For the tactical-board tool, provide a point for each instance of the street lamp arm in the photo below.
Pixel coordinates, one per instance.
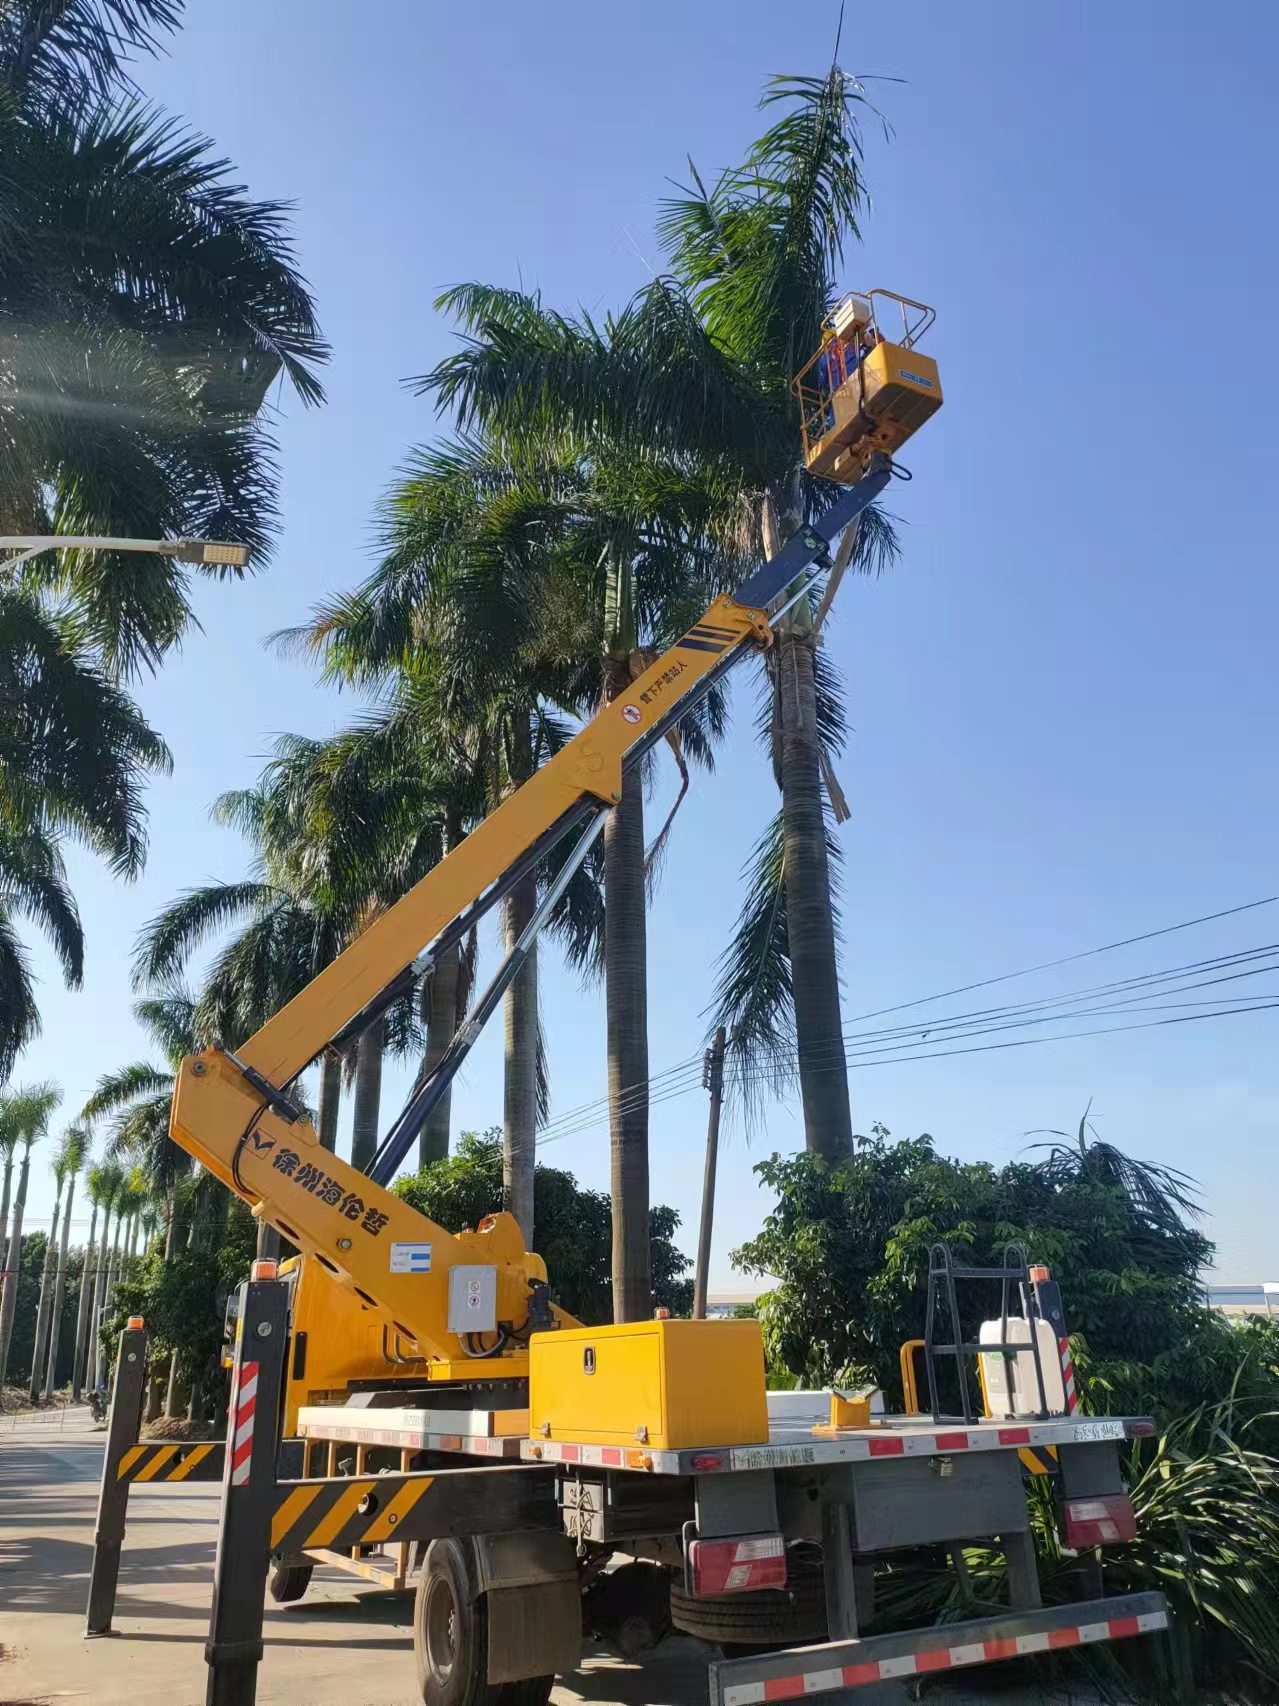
(212, 551)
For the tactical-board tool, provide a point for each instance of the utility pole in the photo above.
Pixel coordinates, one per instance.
(712, 1080)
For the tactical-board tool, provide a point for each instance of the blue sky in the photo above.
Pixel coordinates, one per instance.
(1063, 699)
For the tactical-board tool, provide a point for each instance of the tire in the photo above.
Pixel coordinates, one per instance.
(771, 1617)
(630, 1609)
(450, 1638)
(289, 1582)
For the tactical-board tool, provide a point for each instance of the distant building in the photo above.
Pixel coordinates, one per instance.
(1240, 1300)
(726, 1302)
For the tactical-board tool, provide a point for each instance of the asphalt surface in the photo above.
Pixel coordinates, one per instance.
(343, 1645)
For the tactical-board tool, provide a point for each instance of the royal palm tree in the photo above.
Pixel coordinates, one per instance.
(79, 1358)
(74, 754)
(134, 1104)
(30, 1111)
(279, 945)
(516, 585)
(335, 838)
(8, 1149)
(698, 369)
(71, 1158)
(106, 1181)
(146, 307)
(65, 1162)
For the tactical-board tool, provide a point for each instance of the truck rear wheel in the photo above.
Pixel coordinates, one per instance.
(450, 1638)
(770, 1617)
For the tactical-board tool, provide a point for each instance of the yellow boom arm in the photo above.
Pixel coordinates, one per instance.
(360, 1233)
(228, 1110)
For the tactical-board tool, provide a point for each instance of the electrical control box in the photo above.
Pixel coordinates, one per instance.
(472, 1298)
(667, 1384)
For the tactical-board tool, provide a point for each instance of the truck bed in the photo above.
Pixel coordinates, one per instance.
(791, 1441)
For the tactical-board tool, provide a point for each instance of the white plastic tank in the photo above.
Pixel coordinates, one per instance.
(851, 314)
(1011, 1386)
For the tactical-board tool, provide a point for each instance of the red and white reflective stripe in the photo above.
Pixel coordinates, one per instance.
(411, 1439)
(1068, 1375)
(819, 1680)
(243, 1411)
(889, 1439)
(604, 1456)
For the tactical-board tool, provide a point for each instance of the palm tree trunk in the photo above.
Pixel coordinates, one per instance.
(4, 1215)
(171, 1389)
(330, 1098)
(117, 1258)
(444, 997)
(94, 1375)
(441, 1022)
(13, 1259)
(626, 1008)
(823, 1074)
(48, 1280)
(368, 1095)
(59, 1297)
(519, 1094)
(79, 1361)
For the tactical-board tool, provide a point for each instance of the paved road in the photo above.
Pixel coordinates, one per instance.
(343, 1645)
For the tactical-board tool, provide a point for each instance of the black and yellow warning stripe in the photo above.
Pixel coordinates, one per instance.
(350, 1511)
(709, 637)
(181, 1462)
(1039, 1459)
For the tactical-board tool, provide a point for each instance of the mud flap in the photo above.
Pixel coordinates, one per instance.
(534, 1604)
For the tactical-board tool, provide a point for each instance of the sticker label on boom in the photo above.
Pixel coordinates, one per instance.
(410, 1258)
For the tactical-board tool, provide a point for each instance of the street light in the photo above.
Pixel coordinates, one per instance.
(215, 553)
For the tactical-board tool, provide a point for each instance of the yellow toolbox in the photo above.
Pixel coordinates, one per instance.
(666, 1384)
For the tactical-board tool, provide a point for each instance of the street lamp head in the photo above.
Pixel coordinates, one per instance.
(213, 552)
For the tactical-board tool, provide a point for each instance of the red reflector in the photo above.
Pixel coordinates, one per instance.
(705, 1460)
(1138, 1430)
(938, 1659)
(737, 1565)
(1106, 1521)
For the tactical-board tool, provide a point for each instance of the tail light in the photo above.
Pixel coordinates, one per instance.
(1103, 1521)
(738, 1565)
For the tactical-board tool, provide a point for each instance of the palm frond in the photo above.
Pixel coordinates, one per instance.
(166, 945)
(72, 1153)
(19, 1015)
(130, 1084)
(1161, 1195)
(754, 994)
(169, 1015)
(33, 880)
(69, 50)
(74, 750)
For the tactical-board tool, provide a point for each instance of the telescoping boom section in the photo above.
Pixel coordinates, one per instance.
(232, 1113)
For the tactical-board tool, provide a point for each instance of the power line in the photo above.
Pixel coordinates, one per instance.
(904, 1053)
(1067, 1006)
(687, 1074)
(1070, 959)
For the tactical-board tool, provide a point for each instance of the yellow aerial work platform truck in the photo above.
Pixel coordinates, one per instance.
(413, 1405)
